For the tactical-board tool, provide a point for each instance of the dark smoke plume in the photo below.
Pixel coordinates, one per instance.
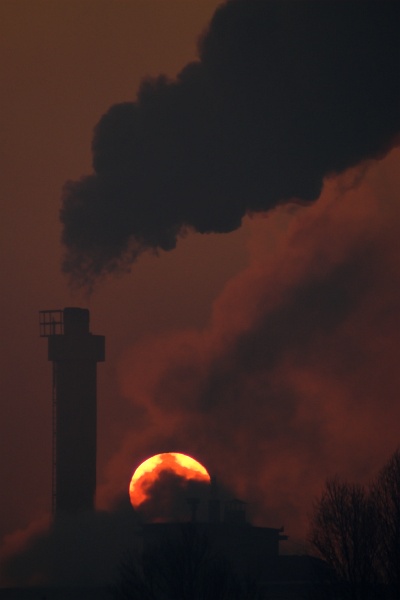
(284, 93)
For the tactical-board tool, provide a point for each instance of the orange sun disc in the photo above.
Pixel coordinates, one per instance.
(148, 472)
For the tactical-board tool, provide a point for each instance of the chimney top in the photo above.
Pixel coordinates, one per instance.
(76, 321)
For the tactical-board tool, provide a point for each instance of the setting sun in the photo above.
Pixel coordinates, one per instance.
(148, 472)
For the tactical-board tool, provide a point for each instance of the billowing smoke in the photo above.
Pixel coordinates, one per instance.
(283, 94)
(296, 377)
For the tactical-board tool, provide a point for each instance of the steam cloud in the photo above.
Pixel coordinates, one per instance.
(88, 548)
(78, 550)
(296, 377)
(168, 495)
(283, 94)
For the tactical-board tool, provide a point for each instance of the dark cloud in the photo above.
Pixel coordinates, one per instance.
(283, 94)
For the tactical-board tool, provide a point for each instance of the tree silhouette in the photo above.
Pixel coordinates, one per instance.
(344, 532)
(356, 530)
(386, 499)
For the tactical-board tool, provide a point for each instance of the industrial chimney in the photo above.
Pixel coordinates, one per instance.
(75, 353)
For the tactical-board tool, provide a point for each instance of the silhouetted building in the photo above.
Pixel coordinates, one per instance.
(214, 509)
(247, 548)
(75, 353)
(235, 511)
(250, 553)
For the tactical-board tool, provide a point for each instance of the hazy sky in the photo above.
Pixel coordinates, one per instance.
(269, 353)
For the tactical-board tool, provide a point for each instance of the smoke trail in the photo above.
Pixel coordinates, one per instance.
(283, 94)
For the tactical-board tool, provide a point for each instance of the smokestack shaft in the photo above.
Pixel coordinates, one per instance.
(75, 353)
